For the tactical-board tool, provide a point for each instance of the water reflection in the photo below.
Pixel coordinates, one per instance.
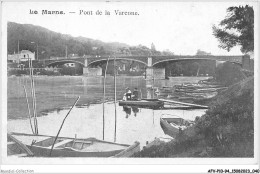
(135, 110)
(128, 110)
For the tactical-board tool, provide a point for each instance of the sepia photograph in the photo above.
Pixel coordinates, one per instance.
(146, 82)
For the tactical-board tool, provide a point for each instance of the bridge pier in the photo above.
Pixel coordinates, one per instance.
(149, 69)
(152, 72)
(92, 71)
(87, 71)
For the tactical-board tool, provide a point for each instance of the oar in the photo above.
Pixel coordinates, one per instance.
(34, 97)
(63, 123)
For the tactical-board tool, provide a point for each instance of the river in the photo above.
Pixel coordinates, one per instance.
(56, 94)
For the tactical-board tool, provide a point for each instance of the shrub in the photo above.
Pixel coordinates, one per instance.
(228, 74)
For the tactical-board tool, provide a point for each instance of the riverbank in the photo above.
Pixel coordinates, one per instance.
(226, 130)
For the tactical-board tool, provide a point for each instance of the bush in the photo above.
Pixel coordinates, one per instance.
(228, 74)
(227, 128)
(228, 125)
(17, 72)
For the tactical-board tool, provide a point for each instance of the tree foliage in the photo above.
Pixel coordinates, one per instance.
(236, 29)
(226, 130)
(228, 74)
(228, 126)
(202, 53)
(189, 67)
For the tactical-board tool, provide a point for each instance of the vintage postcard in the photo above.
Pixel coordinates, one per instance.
(130, 83)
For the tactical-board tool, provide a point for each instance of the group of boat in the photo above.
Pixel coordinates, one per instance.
(37, 145)
(190, 92)
(22, 144)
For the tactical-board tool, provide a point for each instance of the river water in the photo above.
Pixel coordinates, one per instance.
(137, 124)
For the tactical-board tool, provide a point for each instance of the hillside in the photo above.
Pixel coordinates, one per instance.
(226, 130)
(54, 44)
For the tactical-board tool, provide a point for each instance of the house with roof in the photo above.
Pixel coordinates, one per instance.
(23, 56)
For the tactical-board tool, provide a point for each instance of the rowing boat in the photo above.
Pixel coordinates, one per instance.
(17, 148)
(40, 146)
(174, 125)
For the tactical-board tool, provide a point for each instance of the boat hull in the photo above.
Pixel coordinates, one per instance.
(44, 152)
(142, 103)
(40, 146)
(168, 129)
(187, 130)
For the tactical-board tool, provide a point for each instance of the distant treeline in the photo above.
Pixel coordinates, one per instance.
(53, 44)
(189, 68)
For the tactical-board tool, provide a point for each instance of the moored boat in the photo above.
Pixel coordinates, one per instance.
(146, 103)
(17, 148)
(173, 125)
(40, 145)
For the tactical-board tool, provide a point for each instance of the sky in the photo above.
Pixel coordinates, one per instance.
(181, 27)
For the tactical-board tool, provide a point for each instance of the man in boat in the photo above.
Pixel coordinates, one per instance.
(128, 94)
(135, 94)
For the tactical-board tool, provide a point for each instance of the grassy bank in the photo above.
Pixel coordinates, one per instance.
(226, 130)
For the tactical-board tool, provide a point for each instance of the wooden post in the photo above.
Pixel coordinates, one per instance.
(115, 96)
(33, 97)
(66, 52)
(35, 106)
(153, 117)
(18, 48)
(153, 88)
(28, 106)
(104, 98)
(32, 94)
(37, 51)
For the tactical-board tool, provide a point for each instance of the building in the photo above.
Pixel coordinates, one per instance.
(23, 56)
(70, 64)
(13, 58)
(73, 56)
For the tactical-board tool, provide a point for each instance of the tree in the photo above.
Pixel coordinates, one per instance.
(200, 52)
(167, 52)
(153, 47)
(236, 29)
(228, 74)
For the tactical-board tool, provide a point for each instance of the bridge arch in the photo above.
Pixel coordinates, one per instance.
(192, 58)
(111, 59)
(64, 61)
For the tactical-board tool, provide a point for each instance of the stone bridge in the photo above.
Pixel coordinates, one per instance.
(151, 61)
